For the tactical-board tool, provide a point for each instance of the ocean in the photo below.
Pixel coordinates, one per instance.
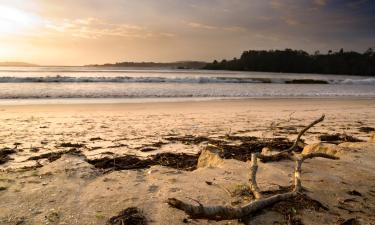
(61, 84)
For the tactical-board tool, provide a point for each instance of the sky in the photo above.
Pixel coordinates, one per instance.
(79, 32)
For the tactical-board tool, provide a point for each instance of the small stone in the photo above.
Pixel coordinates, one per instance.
(209, 158)
(330, 149)
(372, 137)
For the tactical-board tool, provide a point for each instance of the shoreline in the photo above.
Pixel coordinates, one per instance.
(99, 101)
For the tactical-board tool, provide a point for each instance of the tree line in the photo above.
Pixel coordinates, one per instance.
(299, 61)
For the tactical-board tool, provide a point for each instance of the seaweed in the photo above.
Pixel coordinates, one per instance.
(126, 162)
(129, 216)
(4, 154)
(71, 145)
(189, 139)
(188, 162)
(53, 156)
(179, 161)
(366, 129)
(337, 138)
(242, 152)
(351, 221)
(291, 208)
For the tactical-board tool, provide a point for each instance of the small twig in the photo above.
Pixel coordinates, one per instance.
(295, 145)
(286, 154)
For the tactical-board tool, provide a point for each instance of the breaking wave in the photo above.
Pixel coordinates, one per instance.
(182, 79)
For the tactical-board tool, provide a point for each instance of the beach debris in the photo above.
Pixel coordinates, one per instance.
(93, 148)
(96, 139)
(180, 161)
(337, 138)
(3, 188)
(4, 154)
(351, 221)
(189, 162)
(71, 145)
(188, 139)
(354, 192)
(243, 151)
(372, 137)
(286, 154)
(366, 129)
(152, 147)
(220, 212)
(148, 149)
(126, 162)
(290, 208)
(34, 149)
(129, 216)
(53, 156)
(52, 217)
(16, 144)
(118, 145)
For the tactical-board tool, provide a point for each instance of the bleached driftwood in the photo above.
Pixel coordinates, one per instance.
(299, 159)
(253, 177)
(220, 212)
(287, 154)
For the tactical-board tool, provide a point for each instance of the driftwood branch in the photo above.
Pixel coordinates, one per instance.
(299, 159)
(295, 144)
(253, 177)
(220, 212)
(227, 212)
(286, 154)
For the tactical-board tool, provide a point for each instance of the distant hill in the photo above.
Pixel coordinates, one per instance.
(171, 65)
(16, 64)
(299, 61)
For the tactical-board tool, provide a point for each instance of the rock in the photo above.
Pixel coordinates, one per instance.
(266, 151)
(331, 149)
(372, 137)
(209, 158)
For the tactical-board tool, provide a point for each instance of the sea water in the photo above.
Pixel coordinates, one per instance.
(54, 84)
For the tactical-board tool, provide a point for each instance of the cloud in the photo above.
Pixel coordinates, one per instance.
(291, 21)
(276, 4)
(93, 28)
(201, 26)
(320, 2)
(222, 28)
(357, 3)
(186, 29)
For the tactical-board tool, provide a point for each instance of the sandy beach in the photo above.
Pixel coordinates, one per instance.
(70, 190)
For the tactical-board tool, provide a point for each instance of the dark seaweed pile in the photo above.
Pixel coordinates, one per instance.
(129, 216)
(188, 162)
(179, 161)
(337, 138)
(4, 154)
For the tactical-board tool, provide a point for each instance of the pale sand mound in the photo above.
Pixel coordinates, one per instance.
(70, 191)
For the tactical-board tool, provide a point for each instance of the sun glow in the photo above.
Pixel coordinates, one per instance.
(15, 21)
